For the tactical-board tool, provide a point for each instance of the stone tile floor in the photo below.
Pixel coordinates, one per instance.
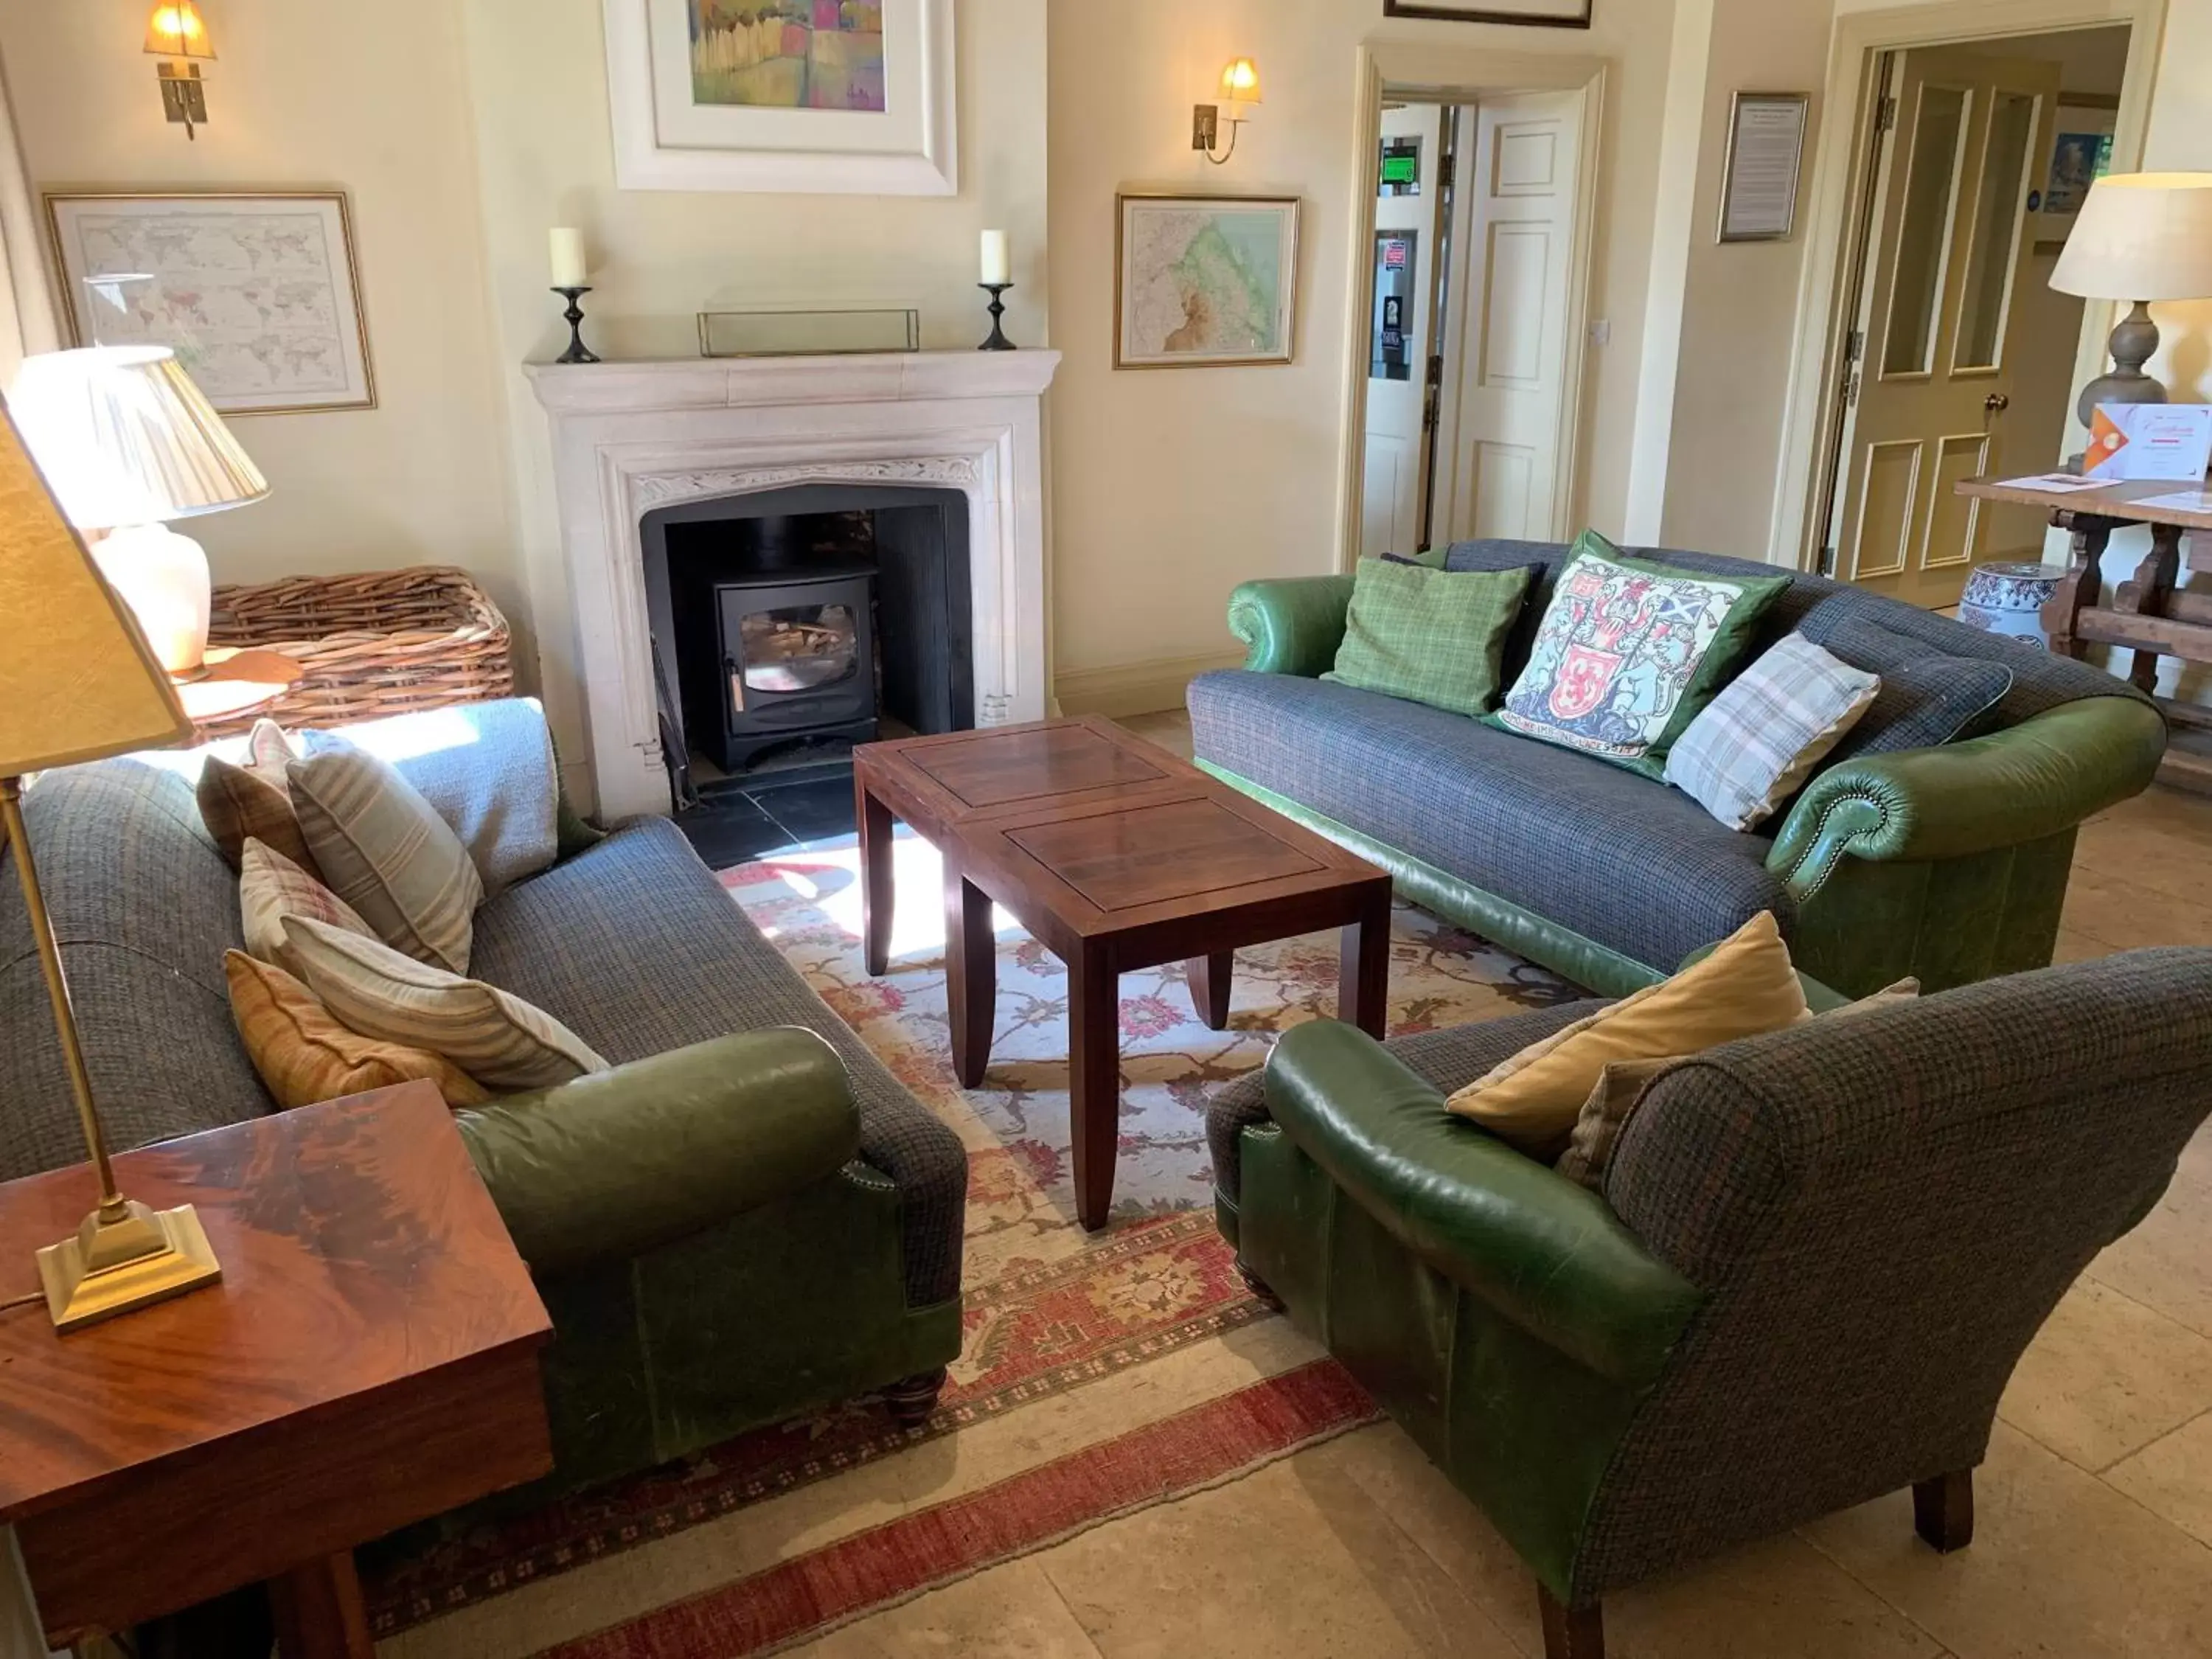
(2095, 1506)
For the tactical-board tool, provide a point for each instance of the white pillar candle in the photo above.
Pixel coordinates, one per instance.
(569, 266)
(996, 268)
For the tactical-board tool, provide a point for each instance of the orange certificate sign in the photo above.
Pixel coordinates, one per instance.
(2133, 441)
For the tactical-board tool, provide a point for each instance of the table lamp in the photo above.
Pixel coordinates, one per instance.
(2141, 236)
(78, 681)
(127, 440)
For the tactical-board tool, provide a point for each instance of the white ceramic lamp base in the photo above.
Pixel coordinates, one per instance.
(163, 577)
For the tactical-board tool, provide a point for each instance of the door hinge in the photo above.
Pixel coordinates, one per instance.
(1446, 172)
(1851, 390)
(1885, 118)
(1827, 561)
(1854, 345)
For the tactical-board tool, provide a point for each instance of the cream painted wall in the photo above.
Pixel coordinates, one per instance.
(304, 96)
(541, 140)
(1170, 487)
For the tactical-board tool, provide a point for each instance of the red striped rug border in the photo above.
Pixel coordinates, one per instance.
(814, 1594)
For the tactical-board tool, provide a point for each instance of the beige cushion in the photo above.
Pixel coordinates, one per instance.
(498, 1040)
(1621, 1086)
(384, 850)
(253, 802)
(1744, 988)
(272, 887)
(305, 1056)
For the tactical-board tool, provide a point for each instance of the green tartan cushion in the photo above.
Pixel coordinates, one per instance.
(1631, 651)
(1431, 636)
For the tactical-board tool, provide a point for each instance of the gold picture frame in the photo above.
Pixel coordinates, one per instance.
(1130, 352)
(276, 329)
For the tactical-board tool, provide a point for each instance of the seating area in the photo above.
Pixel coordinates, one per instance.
(815, 842)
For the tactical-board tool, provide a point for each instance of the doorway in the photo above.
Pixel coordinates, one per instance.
(1471, 270)
(1955, 357)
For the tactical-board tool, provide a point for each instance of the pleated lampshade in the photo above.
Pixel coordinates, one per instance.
(124, 437)
(77, 681)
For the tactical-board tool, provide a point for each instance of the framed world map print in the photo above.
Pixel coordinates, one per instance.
(819, 96)
(256, 293)
(1206, 281)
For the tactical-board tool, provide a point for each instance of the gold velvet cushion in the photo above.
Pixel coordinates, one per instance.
(384, 850)
(272, 887)
(1745, 989)
(305, 1056)
(253, 802)
(500, 1040)
(1622, 1087)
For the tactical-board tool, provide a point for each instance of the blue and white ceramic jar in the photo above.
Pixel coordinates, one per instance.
(2008, 600)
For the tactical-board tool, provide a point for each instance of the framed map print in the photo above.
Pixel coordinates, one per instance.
(838, 96)
(1206, 281)
(257, 294)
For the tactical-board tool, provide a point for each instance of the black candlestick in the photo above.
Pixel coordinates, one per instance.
(998, 342)
(578, 352)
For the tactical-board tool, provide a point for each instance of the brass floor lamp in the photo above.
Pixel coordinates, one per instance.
(78, 683)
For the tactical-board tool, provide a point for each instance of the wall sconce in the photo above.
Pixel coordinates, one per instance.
(1240, 96)
(178, 34)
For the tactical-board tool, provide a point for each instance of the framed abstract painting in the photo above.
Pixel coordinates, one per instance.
(812, 96)
(1206, 281)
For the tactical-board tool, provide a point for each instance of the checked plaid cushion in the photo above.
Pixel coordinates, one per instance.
(1428, 636)
(1762, 736)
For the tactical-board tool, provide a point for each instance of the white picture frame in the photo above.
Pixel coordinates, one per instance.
(257, 292)
(665, 139)
(1256, 236)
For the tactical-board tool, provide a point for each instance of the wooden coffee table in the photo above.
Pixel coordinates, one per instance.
(1117, 856)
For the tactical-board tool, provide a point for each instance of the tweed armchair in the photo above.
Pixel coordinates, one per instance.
(1817, 1258)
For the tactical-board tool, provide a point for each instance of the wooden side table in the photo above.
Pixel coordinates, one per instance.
(2150, 615)
(369, 1359)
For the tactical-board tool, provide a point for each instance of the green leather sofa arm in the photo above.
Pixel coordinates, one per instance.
(1546, 1252)
(1292, 624)
(2039, 778)
(618, 1163)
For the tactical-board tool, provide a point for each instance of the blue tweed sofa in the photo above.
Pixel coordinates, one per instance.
(1948, 863)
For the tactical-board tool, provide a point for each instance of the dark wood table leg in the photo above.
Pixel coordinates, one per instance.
(319, 1612)
(2083, 584)
(1094, 1069)
(1363, 991)
(971, 975)
(1211, 980)
(877, 903)
(2154, 585)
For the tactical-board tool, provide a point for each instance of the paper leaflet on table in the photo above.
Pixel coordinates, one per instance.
(2131, 442)
(2057, 484)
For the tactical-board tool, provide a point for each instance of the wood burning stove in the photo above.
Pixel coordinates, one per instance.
(798, 659)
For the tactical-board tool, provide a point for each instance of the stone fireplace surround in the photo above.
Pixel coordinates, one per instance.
(631, 437)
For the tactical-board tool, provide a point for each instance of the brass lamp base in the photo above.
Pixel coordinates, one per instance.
(112, 1266)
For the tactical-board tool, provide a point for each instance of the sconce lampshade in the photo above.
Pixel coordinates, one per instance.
(177, 30)
(2141, 236)
(1240, 82)
(76, 680)
(125, 438)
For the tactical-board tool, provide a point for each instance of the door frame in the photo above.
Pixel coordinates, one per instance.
(1462, 75)
(1842, 178)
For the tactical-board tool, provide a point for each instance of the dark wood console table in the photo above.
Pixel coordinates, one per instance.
(2150, 615)
(369, 1359)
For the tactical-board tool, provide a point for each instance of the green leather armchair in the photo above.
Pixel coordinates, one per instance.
(1817, 1260)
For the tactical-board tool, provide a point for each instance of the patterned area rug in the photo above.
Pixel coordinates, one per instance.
(1049, 1308)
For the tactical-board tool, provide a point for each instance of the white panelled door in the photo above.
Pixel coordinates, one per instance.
(1400, 340)
(1499, 452)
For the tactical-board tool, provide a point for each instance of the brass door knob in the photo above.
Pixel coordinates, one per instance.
(1996, 403)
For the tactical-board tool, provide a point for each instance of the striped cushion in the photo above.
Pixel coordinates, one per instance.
(386, 852)
(305, 1056)
(253, 802)
(500, 1040)
(272, 887)
(1761, 739)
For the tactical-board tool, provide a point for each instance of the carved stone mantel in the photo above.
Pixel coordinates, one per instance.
(631, 437)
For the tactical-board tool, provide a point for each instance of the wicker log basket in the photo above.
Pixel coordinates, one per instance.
(381, 642)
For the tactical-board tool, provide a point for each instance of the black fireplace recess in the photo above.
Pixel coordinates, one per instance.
(808, 617)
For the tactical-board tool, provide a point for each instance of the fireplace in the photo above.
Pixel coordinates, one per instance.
(789, 624)
(632, 440)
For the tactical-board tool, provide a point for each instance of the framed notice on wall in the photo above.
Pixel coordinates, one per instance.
(1766, 149)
